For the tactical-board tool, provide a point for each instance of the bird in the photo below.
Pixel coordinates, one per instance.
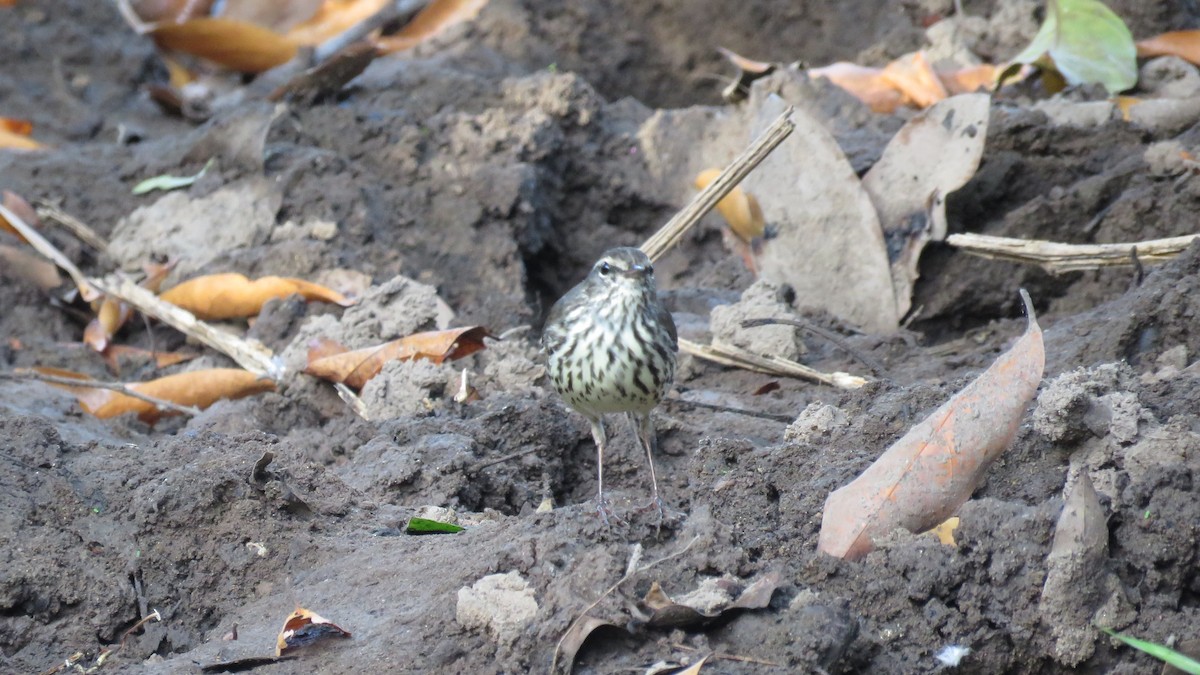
(611, 347)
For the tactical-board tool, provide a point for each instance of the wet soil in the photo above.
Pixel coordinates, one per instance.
(473, 181)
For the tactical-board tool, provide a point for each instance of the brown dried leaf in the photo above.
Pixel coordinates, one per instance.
(333, 18)
(354, 368)
(913, 77)
(866, 84)
(712, 599)
(945, 530)
(927, 474)
(969, 80)
(234, 44)
(198, 388)
(303, 628)
(20, 264)
(1182, 43)
(111, 314)
(575, 636)
(232, 295)
(438, 16)
(14, 135)
(739, 208)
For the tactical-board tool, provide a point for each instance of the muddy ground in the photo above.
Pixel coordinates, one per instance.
(474, 181)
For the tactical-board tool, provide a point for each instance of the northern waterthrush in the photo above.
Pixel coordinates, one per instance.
(611, 348)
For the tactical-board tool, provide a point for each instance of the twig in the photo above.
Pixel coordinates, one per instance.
(500, 460)
(159, 403)
(875, 366)
(721, 656)
(721, 408)
(252, 356)
(400, 11)
(87, 235)
(630, 573)
(702, 203)
(41, 245)
(1056, 257)
(764, 363)
(352, 399)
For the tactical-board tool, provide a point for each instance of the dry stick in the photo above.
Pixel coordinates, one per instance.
(1056, 257)
(721, 408)
(765, 363)
(80, 229)
(722, 656)
(875, 366)
(161, 404)
(400, 11)
(629, 574)
(702, 203)
(251, 356)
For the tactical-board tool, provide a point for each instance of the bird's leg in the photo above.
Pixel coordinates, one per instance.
(643, 426)
(601, 439)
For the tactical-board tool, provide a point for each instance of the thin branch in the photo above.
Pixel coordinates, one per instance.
(161, 404)
(400, 11)
(706, 199)
(629, 574)
(764, 363)
(41, 245)
(48, 211)
(1056, 257)
(875, 366)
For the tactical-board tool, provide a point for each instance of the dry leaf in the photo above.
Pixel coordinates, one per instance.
(198, 388)
(438, 16)
(233, 296)
(234, 44)
(828, 229)
(111, 313)
(1125, 105)
(354, 368)
(970, 79)
(14, 135)
(694, 669)
(333, 18)
(115, 353)
(914, 78)
(739, 208)
(945, 530)
(928, 474)
(276, 15)
(20, 264)
(749, 70)
(1182, 43)
(713, 598)
(866, 84)
(934, 154)
(302, 628)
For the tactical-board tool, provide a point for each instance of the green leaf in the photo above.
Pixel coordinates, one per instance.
(427, 526)
(1086, 42)
(1164, 654)
(166, 182)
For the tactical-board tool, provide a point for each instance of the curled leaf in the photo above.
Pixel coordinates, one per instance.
(1084, 41)
(913, 76)
(303, 628)
(929, 472)
(333, 18)
(233, 296)
(355, 368)
(713, 598)
(234, 44)
(739, 208)
(1182, 43)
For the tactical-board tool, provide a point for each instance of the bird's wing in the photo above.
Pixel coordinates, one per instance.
(664, 316)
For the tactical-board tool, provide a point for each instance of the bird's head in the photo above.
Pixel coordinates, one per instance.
(623, 268)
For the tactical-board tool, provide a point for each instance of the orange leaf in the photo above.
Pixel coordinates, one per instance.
(1182, 43)
(303, 628)
(13, 140)
(430, 22)
(115, 353)
(199, 388)
(1125, 105)
(234, 44)
(969, 80)
(19, 263)
(926, 475)
(739, 208)
(354, 368)
(110, 316)
(19, 127)
(333, 18)
(865, 84)
(232, 295)
(912, 75)
(15, 203)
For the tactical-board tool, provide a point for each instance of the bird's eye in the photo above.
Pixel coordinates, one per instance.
(605, 268)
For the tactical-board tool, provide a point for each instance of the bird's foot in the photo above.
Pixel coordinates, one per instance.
(605, 511)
